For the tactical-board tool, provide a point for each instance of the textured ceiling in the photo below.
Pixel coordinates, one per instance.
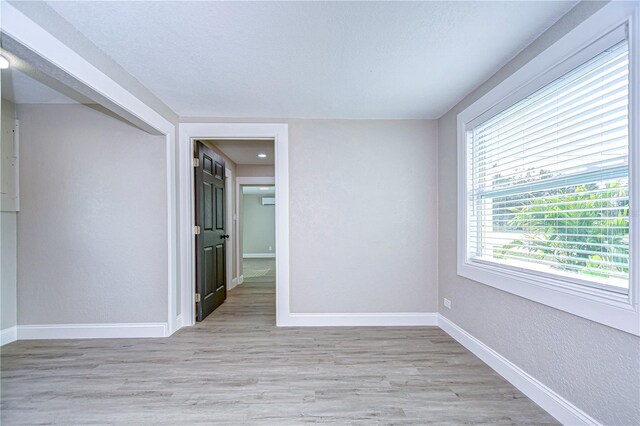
(311, 59)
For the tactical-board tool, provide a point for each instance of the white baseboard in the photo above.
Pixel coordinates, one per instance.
(234, 283)
(178, 324)
(8, 335)
(258, 255)
(564, 411)
(362, 320)
(91, 331)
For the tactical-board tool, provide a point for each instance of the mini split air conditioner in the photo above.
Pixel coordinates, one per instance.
(268, 201)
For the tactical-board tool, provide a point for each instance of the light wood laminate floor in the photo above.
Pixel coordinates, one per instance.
(237, 368)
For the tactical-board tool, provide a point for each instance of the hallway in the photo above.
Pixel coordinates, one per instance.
(259, 270)
(237, 368)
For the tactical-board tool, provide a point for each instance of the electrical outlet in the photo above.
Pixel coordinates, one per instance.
(270, 248)
(447, 303)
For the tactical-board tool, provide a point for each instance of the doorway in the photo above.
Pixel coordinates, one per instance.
(250, 221)
(239, 177)
(258, 233)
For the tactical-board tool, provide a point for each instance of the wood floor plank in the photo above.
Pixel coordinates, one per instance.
(236, 367)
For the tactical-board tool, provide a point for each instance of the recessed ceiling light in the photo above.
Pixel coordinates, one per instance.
(262, 155)
(4, 63)
(264, 188)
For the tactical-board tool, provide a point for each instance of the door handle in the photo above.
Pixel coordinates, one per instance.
(224, 236)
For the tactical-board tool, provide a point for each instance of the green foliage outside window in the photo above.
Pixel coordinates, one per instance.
(582, 229)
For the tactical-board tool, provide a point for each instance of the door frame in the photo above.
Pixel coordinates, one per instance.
(231, 226)
(279, 133)
(240, 182)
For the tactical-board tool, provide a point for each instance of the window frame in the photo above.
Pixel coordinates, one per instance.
(612, 22)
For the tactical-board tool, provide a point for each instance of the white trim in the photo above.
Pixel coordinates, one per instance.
(280, 134)
(91, 331)
(234, 284)
(39, 41)
(8, 335)
(553, 403)
(230, 225)
(634, 160)
(258, 255)
(408, 319)
(620, 312)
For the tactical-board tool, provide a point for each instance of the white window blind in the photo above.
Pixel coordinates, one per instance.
(547, 179)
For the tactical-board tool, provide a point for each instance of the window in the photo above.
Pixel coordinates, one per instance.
(548, 178)
(549, 175)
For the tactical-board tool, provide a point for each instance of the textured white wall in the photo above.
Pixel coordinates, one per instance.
(593, 366)
(9, 201)
(92, 240)
(258, 225)
(8, 249)
(363, 215)
(8, 255)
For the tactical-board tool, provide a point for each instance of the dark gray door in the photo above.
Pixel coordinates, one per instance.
(210, 243)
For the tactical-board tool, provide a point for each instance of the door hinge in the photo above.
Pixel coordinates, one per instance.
(196, 230)
(196, 162)
(197, 297)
